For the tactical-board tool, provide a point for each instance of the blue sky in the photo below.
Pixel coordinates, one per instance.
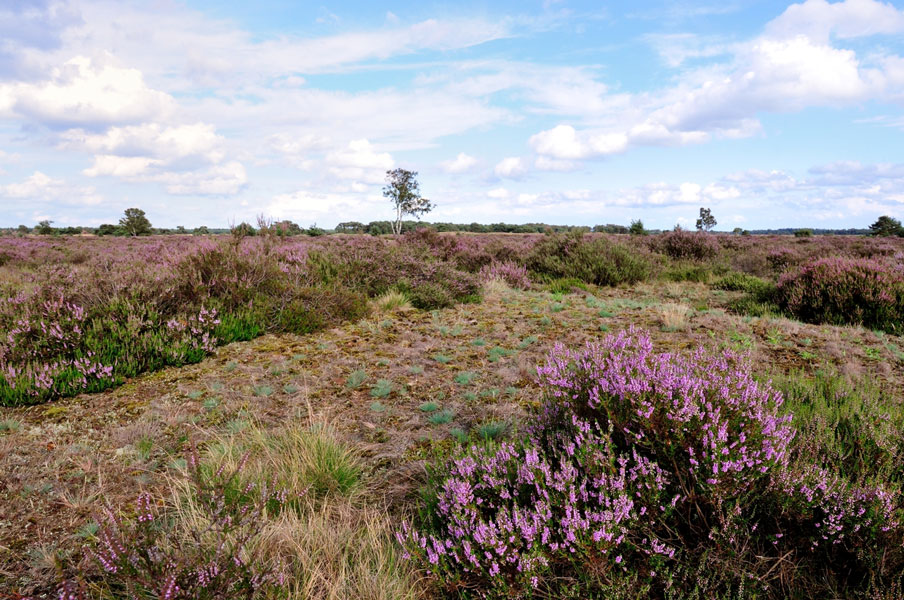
(771, 114)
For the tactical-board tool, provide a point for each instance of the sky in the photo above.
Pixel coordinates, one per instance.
(215, 112)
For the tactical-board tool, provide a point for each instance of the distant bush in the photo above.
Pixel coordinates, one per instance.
(684, 244)
(692, 272)
(512, 273)
(592, 260)
(781, 258)
(742, 282)
(803, 233)
(842, 291)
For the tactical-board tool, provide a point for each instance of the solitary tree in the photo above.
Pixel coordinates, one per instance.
(706, 221)
(135, 222)
(885, 226)
(637, 228)
(403, 190)
(44, 228)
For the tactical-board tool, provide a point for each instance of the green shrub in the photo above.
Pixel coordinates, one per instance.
(565, 285)
(698, 273)
(686, 245)
(591, 260)
(742, 282)
(313, 309)
(429, 296)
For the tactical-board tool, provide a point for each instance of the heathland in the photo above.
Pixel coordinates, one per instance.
(681, 415)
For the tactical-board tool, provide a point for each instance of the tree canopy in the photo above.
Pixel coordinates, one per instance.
(135, 222)
(404, 191)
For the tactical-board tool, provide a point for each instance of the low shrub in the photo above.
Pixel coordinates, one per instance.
(843, 291)
(512, 273)
(642, 472)
(592, 260)
(314, 308)
(565, 285)
(684, 272)
(686, 245)
(780, 259)
(742, 282)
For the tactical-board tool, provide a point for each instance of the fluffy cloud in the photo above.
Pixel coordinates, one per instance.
(459, 164)
(84, 93)
(512, 167)
(359, 161)
(564, 142)
(168, 144)
(792, 66)
(43, 188)
(303, 206)
(818, 19)
(220, 180)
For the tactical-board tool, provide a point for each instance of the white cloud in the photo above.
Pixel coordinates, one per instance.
(359, 161)
(544, 163)
(82, 92)
(771, 73)
(152, 140)
(120, 166)
(304, 206)
(219, 180)
(41, 187)
(512, 167)
(563, 142)
(459, 164)
(498, 193)
(818, 19)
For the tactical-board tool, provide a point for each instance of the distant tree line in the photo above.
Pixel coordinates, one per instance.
(137, 224)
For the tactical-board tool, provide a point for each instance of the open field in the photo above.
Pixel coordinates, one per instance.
(358, 373)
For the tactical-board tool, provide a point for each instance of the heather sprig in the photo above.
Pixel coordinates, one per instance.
(150, 556)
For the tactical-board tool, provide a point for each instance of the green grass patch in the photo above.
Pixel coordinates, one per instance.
(441, 418)
(381, 389)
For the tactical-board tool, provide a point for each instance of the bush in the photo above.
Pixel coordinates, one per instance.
(597, 261)
(513, 274)
(742, 282)
(313, 309)
(842, 291)
(684, 244)
(643, 471)
(684, 272)
(782, 258)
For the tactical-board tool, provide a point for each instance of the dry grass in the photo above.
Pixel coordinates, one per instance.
(341, 550)
(673, 317)
(391, 301)
(337, 541)
(495, 289)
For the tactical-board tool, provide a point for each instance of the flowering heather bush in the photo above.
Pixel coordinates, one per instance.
(645, 468)
(147, 557)
(512, 273)
(782, 258)
(685, 244)
(846, 291)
